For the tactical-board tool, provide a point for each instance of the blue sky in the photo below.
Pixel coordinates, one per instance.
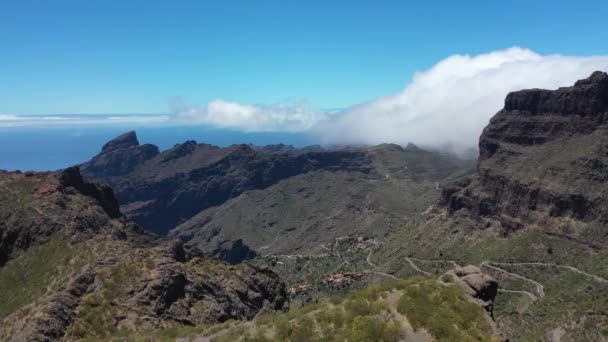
(133, 56)
(299, 72)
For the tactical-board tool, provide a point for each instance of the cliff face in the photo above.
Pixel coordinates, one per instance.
(543, 159)
(73, 266)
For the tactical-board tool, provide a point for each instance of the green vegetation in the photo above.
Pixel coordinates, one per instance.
(96, 312)
(381, 312)
(568, 295)
(29, 275)
(444, 311)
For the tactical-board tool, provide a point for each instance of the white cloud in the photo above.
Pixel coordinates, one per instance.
(450, 104)
(12, 120)
(290, 116)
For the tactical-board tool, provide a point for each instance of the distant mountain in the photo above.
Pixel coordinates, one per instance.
(72, 267)
(187, 189)
(300, 213)
(161, 190)
(287, 149)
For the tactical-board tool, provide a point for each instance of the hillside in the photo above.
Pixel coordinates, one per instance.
(160, 190)
(533, 216)
(415, 310)
(73, 267)
(299, 214)
(288, 200)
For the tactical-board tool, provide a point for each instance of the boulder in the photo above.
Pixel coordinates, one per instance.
(475, 283)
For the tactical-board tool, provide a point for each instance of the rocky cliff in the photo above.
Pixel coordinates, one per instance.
(73, 267)
(543, 161)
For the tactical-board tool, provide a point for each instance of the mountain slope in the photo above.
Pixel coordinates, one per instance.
(75, 268)
(533, 216)
(299, 214)
(414, 310)
(161, 190)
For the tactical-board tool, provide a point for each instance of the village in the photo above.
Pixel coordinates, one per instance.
(341, 245)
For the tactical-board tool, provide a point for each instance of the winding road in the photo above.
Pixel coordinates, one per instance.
(540, 289)
(494, 265)
(409, 260)
(571, 268)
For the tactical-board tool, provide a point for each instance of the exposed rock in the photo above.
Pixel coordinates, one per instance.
(125, 140)
(119, 156)
(476, 283)
(104, 195)
(236, 253)
(35, 206)
(111, 273)
(176, 293)
(543, 157)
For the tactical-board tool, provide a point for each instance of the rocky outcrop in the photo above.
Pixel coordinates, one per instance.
(476, 283)
(119, 156)
(106, 272)
(233, 252)
(543, 157)
(36, 205)
(177, 293)
(104, 195)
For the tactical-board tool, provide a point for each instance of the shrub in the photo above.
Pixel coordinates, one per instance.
(371, 329)
(444, 312)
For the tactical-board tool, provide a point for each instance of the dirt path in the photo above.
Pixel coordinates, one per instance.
(529, 294)
(452, 262)
(368, 259)
(571, 268)
(369, 262)
(409, 260)
(540, 289)
(382, 274)
(539, 286)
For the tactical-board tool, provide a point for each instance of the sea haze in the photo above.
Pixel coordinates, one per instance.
(50, 147)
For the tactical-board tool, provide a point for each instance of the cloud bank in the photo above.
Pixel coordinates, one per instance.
(448, 105)
(13, 120)
(292, 116)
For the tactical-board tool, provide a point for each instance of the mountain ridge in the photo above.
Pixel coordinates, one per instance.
(75, 268)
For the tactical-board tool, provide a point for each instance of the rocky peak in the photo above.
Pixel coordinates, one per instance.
(119, 156)
(125, 140)
(180, 150)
